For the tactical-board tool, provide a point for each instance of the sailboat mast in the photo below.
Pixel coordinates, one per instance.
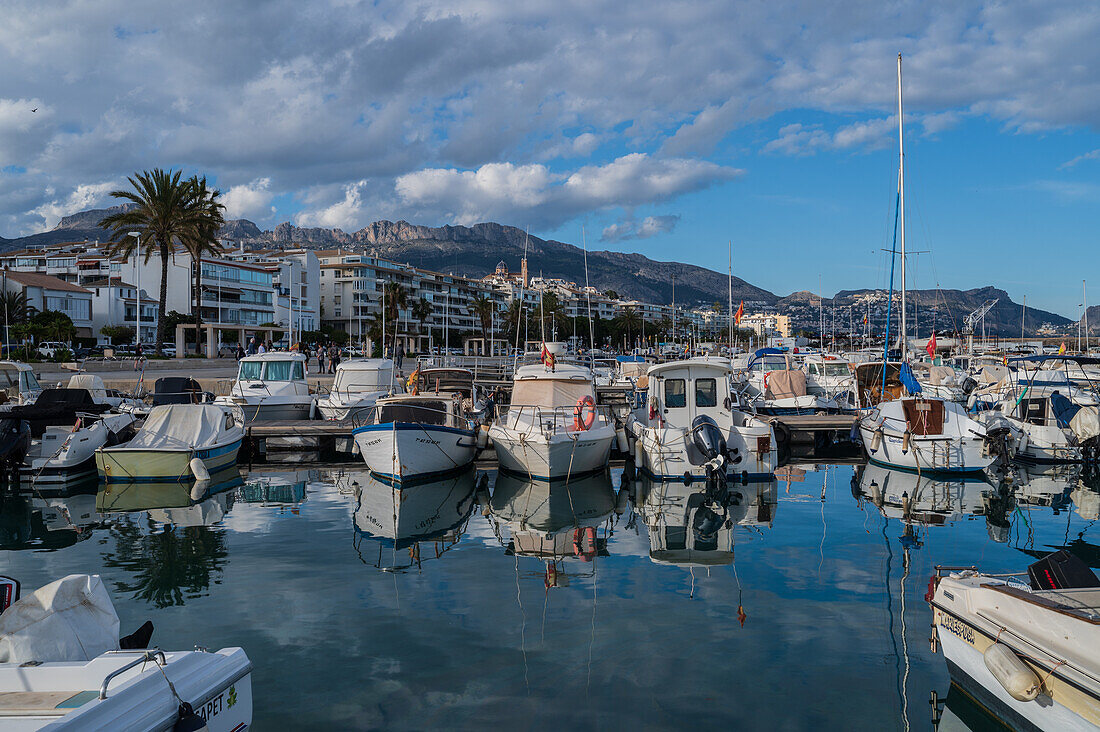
(731, 298)
(901, 215)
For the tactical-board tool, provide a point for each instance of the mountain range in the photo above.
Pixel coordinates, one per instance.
(474, 251)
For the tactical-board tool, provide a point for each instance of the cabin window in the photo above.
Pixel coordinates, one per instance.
(706, 393)
(812, 368)
(675, 537)
(251, 370)
(299, 374)
(675, 393)
(29, 382)
(278, 370)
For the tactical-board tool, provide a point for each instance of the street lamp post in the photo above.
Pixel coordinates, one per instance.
(137, 276)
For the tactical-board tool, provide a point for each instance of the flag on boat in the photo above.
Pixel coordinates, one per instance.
(412, 385)
(931, 346)
(547, 357)
(1062, 349)
(740, 313)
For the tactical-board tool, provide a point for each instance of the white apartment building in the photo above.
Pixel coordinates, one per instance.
(45, 292)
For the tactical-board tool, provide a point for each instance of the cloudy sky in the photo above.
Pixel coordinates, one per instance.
(667, 127)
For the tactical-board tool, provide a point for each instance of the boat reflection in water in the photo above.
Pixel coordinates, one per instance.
(920, 500)
(165, 536)
(1046, 485)
(554, 521)
(424, 519)
(693, 525)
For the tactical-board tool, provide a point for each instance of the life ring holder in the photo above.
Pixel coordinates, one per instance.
(580, 420)
(766, 375)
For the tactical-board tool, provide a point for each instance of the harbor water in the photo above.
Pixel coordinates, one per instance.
(484, 601)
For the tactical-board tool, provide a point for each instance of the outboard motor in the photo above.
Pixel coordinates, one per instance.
(708, 440)
(969, 385)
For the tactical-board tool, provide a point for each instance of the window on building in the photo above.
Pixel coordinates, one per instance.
(675, 393)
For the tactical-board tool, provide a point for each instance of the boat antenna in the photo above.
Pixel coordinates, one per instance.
(730, 303)
(519, 310)
(588, 291)
(901, 214)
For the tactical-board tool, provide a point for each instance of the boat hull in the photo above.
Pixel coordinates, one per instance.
(933, 454)
(557, 456)
(666, 454)
(123, 465)
(401, 451)
(270, 409)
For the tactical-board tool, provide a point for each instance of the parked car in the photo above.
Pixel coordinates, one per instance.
(168, 349)
(49, 349)
(227, 350)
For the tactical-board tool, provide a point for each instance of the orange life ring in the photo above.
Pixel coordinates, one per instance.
(580, 421)
(766, 380)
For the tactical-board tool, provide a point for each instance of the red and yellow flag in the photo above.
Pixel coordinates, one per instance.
(1062, 349)
(740, 312)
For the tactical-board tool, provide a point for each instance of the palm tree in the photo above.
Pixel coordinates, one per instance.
(16, 308)
(202, 239)
(628, 320)
(422, 310)
(164, 213)
(397, 299)
(482, 307)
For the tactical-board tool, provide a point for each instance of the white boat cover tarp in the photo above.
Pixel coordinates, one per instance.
(92, 383)
(72, 619)
(1086, 423)
(176, 426)
(941, 375)
(990, 375)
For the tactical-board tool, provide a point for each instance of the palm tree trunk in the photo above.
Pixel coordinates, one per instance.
(198, 307)
(163, 302)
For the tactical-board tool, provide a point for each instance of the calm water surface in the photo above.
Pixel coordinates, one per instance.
(484, 600)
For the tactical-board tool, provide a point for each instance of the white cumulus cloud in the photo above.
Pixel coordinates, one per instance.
(250, 200)
(644, 229)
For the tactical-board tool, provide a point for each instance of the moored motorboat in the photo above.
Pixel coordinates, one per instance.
(692, 428)
(415, 436)
(1026, 650)
(271, 386)
(178, 442)
(68, 453)
(18, 384)
(64, 667)
(553, 428)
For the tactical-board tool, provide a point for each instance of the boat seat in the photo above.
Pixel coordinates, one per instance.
(59, 703)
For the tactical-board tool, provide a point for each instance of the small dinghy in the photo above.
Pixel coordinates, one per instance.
(178, 442)
(65, 454)
(64, 667)
(57, 408)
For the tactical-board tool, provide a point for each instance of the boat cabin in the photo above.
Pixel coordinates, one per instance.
(439, 380)
(18, 384)
(366, 376)
(680, 391)
(279, 366)
(443, 410)
(870, 385)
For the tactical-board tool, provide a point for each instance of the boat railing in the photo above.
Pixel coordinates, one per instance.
(154, 655)
(373, 416)
(551, 420)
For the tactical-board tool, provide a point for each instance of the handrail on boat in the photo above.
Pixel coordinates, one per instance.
(145, 657)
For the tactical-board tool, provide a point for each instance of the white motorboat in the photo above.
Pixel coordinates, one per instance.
(928, 434)
(692, 427)
(18, 384)
(1024, 647)
(359, 383)
(693, 525)
(64, 667)
(67, 453)
(553, 428)
(178, 442)
(829, 378)
(786, 392)
(271, 386)
(94, 385)
(942, 382)
(415, 436)
(929, 499)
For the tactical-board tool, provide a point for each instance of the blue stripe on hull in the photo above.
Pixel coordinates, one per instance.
(927, 471)
(402, 426)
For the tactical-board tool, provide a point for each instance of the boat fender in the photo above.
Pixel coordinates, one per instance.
(906, 504)
(876, 440)
(620, 438)
(198, 469)
(482, 438)
(199, 489)
(584, 543)
(905, 442)
(1013, 674)
(653, 408)
(687, 477)
(187, 720)
(1022, 446)
(313, 410)
(622, 500)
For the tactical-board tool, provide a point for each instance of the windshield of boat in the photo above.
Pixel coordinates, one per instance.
(551, 392)
(283, 371)
(27, 381)
(833, 368)
(9, 377)
(251, 370)
(349, 380)
(769, 363)
(418, 411)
